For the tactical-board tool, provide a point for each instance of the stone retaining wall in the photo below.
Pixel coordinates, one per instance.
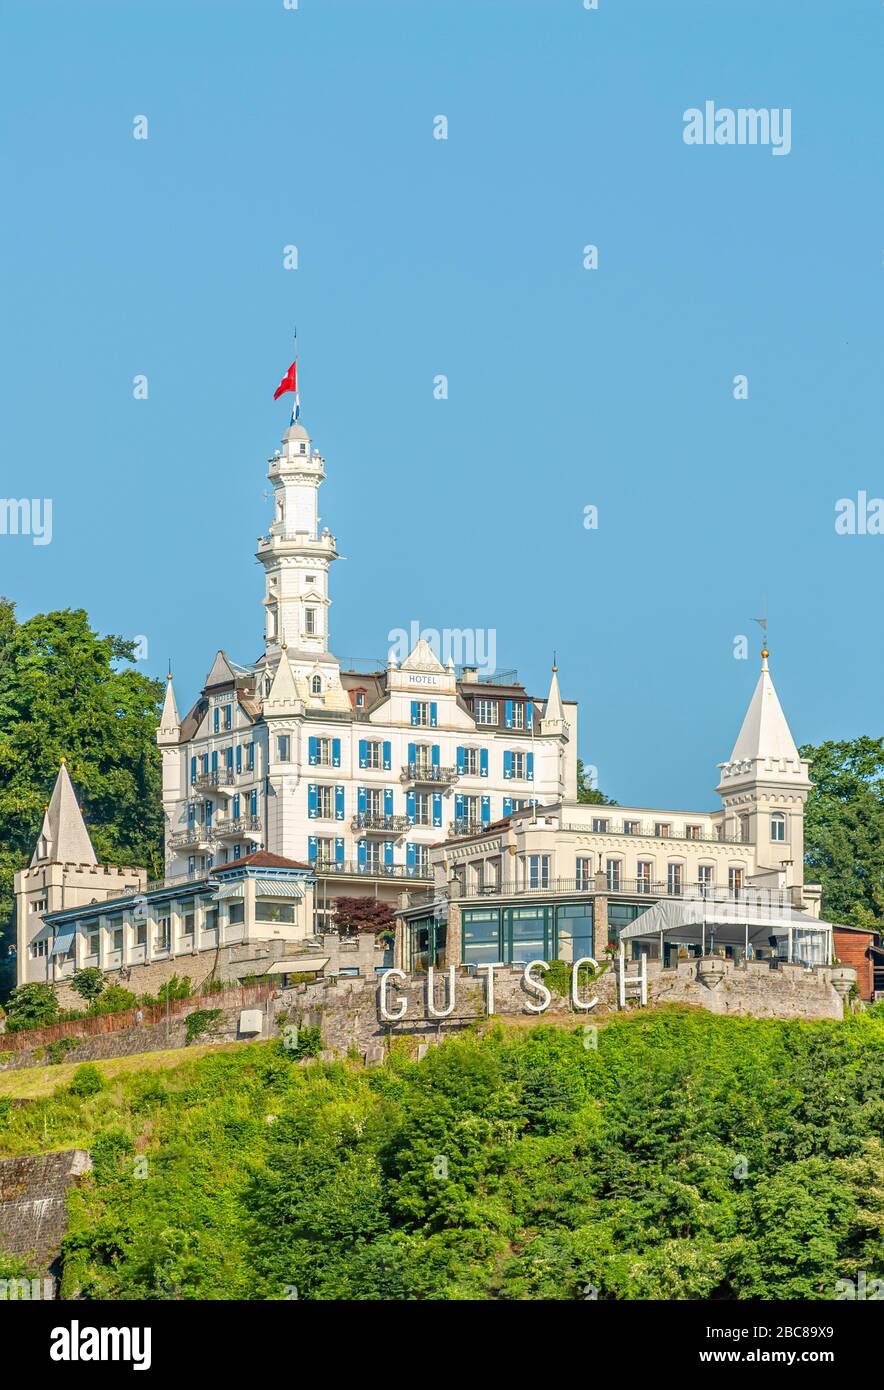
(33, 1205)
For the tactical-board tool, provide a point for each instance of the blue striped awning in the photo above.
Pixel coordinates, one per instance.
(63, 940)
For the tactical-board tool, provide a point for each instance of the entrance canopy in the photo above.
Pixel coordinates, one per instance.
(796, 936)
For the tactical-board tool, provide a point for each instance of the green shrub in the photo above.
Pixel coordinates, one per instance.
(113, 1000)
(56, 1051)
(88, 983)
(87, 1080)
(201, 1021)
(31, 1006)
(301, 1042)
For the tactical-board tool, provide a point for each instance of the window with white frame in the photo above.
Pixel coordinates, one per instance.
(778, 826)
(485, 711)
(422, 856)
(325, 803)
(38, 949)
(644, 875)
(316, 685)
(471, 761)
(324, 752)
(632, 827)
(283, 748)
(538, 870)
(705, 875)
(310, 622)
(735, 879)
(518, 766)
(423, 756)
(421, 716)
(614, 873)
(325, 850)
(674, 879)
(693, 832)
(518, 715)
(373, 753)
(471, 809)
(423, 808)
(584, 873)
(662, 829)
(600, 825)
(374, 805)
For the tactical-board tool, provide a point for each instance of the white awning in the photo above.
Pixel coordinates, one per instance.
(687, 915)
(297, 964)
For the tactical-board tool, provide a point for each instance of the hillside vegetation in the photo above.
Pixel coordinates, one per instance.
(682, 1156)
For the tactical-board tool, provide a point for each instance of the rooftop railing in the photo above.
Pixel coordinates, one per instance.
(643, 888)
(648, 830)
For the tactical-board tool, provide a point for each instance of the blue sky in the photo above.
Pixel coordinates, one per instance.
(463, 257)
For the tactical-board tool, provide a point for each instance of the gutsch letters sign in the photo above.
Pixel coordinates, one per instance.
(394, 1010)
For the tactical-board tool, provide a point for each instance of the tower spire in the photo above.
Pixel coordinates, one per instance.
(63, 837)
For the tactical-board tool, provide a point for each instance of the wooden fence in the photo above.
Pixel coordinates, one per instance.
(239, 997)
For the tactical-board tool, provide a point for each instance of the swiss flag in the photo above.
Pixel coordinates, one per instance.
(288, 383)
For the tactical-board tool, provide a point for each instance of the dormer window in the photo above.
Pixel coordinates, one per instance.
(360, 699)
(316, 685)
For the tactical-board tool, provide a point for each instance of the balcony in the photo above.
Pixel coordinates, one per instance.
(234, 828)
(215, 781)
(195, 837)
(422, 775)
(637, 888)
(647, 831)
(348, 867)
(467, 825)
(373, 824)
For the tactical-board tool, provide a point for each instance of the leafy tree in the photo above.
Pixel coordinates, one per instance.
(363, 914)
(115, 999)
(88, 982)
(67, 692)
(31, 1006)
(844, 828)
(87, 1080)
(590, 794)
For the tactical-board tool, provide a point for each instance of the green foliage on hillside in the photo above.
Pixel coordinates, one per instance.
(67, 692)
(844, 829)
(686, 1157)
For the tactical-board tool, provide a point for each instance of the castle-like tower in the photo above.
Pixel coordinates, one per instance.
(355, 772)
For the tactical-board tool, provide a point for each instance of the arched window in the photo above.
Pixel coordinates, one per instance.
(316, 685)
(778, 826)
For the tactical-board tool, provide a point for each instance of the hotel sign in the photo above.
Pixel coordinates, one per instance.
(538, 1003)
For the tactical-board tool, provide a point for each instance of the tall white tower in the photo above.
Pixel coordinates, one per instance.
(296, 557)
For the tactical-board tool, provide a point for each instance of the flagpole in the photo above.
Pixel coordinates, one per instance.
(295, 401)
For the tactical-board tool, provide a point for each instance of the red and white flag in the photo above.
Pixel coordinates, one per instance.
(288, 383)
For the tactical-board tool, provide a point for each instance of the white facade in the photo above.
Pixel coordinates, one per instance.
(360, 772)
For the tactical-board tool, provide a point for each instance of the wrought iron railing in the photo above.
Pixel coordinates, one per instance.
(326, 869)
(371, 822)
(234, 826)
(648, 831)
(221, 777)
(423, 772)
(644, 888)
(467, 825)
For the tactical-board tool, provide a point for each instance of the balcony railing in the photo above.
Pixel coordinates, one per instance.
(221, 777)
(194, 837)
(641, 887)
(424, 775)
(235, 827)
(649, 831)
(326, 869)
(379, 824)
(467, 825)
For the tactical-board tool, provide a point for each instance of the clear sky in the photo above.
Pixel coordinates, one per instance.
(418, 257)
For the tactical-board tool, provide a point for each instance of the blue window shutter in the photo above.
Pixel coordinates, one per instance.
(437, 809)
(434, 755)
(412, 752)
(216, 720)
(339, 803)
(529, 713)
(507, 805)
(193, 769)
(483, 762)
(253, 803)
(251, 757)
(458, 805)
(409, 854)
(486, 810)
(388, 852)
(191, 814)
(237, 851)
(336, 752)
(459, 758)
(239, 757)
(388, 801)
(311, 847)
(205, 762)
(236, 805)
(508, 765)
(339, 850)
(409, 807)
(529, 765)
(215, 761)
(228, 716)
(363, 752)
(508, 713)
(313, 751)
(210, 808)
(387, 759)
(360, 852)
(433, 709)
(361, 800)
(415, 713)
(312, 799)
(230, 759)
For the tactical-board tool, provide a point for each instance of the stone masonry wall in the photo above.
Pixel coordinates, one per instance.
(33, 1206)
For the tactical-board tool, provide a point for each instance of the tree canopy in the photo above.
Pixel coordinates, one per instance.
(844, 829)
(67, 692)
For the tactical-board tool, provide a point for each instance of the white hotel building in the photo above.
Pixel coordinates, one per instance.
(356, 773)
